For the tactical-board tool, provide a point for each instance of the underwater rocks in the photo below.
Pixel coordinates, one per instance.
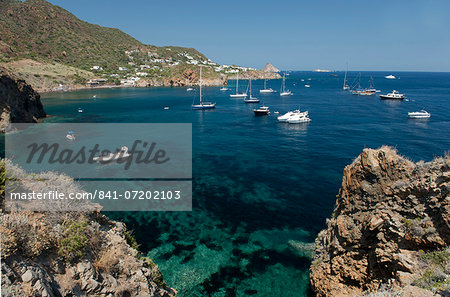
(391, 214)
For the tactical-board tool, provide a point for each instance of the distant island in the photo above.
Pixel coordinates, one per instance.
(54, 50)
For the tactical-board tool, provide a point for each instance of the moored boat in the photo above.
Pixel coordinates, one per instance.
(298, 118)
(395, 95)
(266, 90)
(237, 94)
(419, 114)
(283, 91)
(286, 116)
(202, 104)
(262, 110)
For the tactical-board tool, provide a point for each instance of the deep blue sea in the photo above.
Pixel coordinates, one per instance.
(263, 188)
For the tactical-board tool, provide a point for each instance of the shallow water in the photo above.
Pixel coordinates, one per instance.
(262, 187)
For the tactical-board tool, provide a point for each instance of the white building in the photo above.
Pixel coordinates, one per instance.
(123, 68)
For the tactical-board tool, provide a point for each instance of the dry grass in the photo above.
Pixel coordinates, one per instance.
(25, 233)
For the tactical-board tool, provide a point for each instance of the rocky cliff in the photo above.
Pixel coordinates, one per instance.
(79, 253)
(19, 103)
(389, 231)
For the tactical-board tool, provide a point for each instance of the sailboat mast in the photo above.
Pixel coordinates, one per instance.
(345, 78)
(265, 81)
(237, 82)
(200, 85)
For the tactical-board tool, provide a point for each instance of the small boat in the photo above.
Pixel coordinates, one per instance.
(395, 95)
(224, 89)
(419, 114)
(283, 91)
(262, 110)
(95, 96)
(302, 79)
(189, 89)
(298, 118)
(266, 90)
(289, 114)
(80, 110)
(238, 95)
(307, 86)
(70, 136)
(390, 76)
(276, 112)
(120, 154)
(166, 107)
(202, 104)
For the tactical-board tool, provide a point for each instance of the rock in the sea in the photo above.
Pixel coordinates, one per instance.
(389, 213)
(270, 68)
(19, 103)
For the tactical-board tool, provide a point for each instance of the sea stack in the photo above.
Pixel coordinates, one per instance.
(270, 68)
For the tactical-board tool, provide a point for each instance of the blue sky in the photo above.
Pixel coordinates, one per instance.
(408, 35)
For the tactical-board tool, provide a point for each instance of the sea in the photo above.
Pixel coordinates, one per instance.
(262, 190)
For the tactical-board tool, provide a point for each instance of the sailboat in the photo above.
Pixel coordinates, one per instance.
(370, 90)
(251, 99)
(356, 88)
(238, 95)
(202, 104)
(283, 91)
(266, 90)
(345, 87)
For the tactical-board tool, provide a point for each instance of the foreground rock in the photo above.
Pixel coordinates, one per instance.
(390, 229)
(19, 103)
(79, 253)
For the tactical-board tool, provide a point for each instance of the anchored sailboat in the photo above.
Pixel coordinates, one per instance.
(283, 91)
(251, 99)
(238, 95)
(203, 105)
(266, 90)
(345, 87)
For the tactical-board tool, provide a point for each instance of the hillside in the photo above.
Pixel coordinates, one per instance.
(70, 52)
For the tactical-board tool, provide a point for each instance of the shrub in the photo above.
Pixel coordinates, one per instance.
(73, 242)
(129, 237)
(109, 261)
(24, 232)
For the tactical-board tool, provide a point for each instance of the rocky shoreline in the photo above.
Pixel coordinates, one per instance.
(390, 229)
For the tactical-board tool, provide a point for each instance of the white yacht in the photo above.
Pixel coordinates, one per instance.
(307, 86)
(238, 95)
(224, 88)
(283, 91)
(266, 90)
(286, 116)
(390, 76)
(298, 118)
(394, 95)
(419, 114)
(189, 89)
(80, 110)
(202, 104)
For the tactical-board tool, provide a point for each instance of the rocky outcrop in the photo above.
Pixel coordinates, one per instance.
(391, 216)
(270, 68)
(19, 103)
(79, 253)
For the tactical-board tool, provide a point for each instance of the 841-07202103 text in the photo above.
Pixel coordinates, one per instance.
(138, 195)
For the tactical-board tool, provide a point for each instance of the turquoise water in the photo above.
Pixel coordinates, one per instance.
(262, 188)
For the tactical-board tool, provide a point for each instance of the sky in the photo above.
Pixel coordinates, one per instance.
(401, 35)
